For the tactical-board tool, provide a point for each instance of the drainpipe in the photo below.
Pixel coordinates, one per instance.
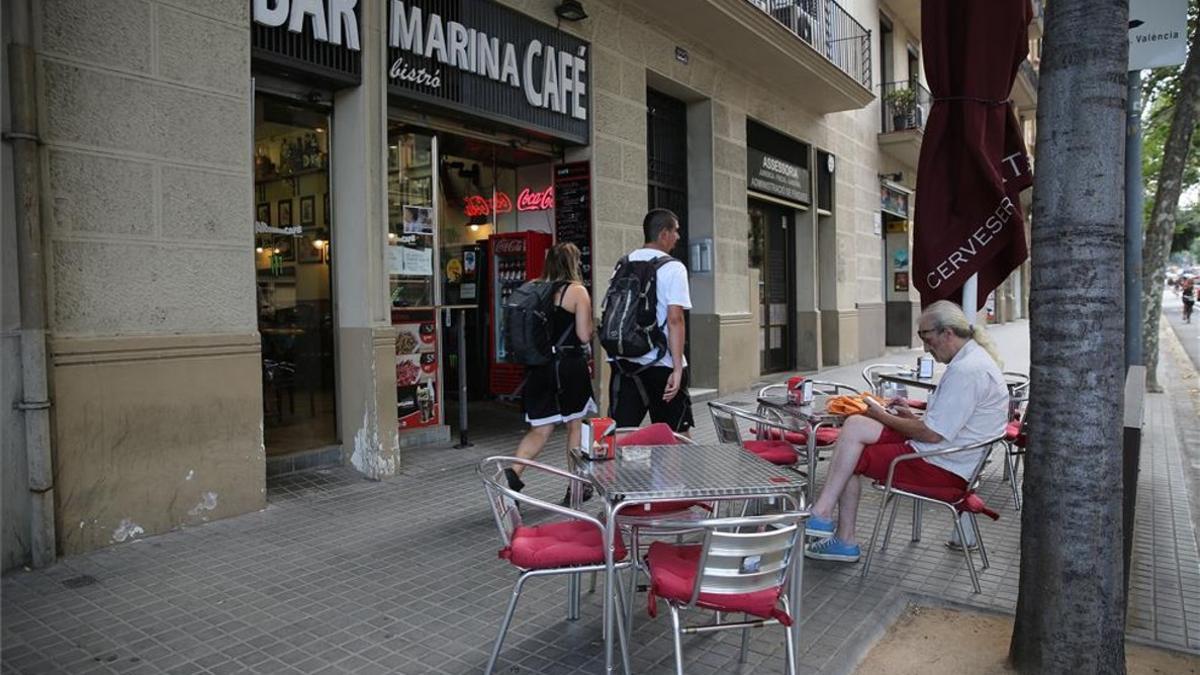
(35, 402)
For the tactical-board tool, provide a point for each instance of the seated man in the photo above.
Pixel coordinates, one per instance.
(969, 406)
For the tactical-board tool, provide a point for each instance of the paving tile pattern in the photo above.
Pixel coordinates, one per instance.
(343, 575)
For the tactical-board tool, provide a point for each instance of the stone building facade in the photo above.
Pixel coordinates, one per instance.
(235, 237)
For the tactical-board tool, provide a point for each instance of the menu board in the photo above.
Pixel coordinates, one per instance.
(573, 211)
(416, 368)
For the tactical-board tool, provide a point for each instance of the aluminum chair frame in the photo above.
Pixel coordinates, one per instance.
(773, 538)
(890, 492)
(650, 526)
(503, 502)
(1018, 410)
(874, 383)
(725, 419)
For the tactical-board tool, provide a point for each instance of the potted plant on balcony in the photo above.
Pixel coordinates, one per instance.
(902, 101)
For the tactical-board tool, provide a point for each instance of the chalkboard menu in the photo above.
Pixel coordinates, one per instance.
(573, 211)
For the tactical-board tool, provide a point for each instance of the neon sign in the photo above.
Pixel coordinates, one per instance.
(527, 200)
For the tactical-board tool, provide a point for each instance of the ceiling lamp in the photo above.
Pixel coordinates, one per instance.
(570, 10)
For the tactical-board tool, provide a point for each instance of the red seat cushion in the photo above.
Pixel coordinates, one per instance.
(825, 435)
(563, 543)
(673, 572)
(658, 433)
(939, 492)
(780, 453)
(1013, 434)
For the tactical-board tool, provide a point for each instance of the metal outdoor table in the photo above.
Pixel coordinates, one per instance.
(909, 378)
(655, 473)
(811, 417)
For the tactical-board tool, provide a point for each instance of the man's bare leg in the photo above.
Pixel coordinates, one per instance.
(857, 433)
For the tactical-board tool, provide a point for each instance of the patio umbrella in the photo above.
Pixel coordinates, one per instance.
(973, 164)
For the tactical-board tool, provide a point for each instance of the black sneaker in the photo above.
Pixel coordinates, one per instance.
(514, 481)
(587, 494)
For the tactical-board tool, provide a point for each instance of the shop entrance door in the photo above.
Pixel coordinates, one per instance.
(666, 171)
(772, 251)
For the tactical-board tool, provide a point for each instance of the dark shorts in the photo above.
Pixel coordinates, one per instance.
(549, 398)
(875, 459)
(625, 404)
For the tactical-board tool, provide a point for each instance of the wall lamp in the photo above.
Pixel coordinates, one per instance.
(570, 10)
(894, 177)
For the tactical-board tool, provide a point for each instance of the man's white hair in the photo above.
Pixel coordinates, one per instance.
(946, 314)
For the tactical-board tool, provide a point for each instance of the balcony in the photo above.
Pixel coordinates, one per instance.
(809, 46)
(904, 109)
(1025, 88)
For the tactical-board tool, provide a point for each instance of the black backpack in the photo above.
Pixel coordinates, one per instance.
(528, 323)
(629, 320)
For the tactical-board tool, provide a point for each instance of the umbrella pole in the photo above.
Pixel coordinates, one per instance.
(970, 299)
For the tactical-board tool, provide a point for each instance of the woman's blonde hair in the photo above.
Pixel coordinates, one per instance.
(946, 314)
(562, 263)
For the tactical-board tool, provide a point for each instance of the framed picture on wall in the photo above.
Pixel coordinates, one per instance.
(900, 282)
(285, 248)
(263, 213)
(285, 212)
(308, 253)
(308, 208)
(325, 201)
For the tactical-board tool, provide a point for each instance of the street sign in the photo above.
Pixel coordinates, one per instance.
(1157, 33)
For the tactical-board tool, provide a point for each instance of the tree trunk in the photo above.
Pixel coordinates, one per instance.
(1161, 227)
(1071, 605)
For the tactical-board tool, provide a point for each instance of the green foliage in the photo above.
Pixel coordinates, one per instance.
(1160, 89)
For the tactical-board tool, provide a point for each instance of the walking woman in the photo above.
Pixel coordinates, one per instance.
(559, 391)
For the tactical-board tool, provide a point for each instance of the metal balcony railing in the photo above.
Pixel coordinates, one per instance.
(905, 106)
(828, 29)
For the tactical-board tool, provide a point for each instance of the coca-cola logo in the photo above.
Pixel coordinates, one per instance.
(510, 246)
(478, 205)
(529, 200)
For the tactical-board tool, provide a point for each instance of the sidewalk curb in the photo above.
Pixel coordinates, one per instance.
(1184, 375)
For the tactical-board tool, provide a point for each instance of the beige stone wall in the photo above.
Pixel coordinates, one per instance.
(144, 108)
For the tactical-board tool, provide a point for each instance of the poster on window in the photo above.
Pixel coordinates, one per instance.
(417, 402)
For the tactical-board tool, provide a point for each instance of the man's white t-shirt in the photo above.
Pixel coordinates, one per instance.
(970, 405)
(672, 288)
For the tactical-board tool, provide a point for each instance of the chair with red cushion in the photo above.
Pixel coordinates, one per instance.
(872, 372)
(1016, 435)
(743, 565)
(569, 545)
(728, 420)
(957, 501)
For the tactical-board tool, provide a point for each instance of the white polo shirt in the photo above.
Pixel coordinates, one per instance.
(671, 288)
(970, 405)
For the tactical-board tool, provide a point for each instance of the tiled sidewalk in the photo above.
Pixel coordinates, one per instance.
(340, 574)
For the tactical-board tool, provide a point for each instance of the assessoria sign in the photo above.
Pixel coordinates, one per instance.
(484, 58)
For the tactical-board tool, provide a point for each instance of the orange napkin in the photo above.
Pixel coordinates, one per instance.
(851, 405)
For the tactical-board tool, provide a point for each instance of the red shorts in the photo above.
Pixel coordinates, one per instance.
(876, 458)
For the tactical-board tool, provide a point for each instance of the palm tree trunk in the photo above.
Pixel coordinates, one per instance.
(1161, 227)
(1071, 605)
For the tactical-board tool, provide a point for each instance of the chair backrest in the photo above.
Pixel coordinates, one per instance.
(1018, 383)
(871, 374)
(779, 389)
(745, 555)
(986, 446)
(659, 433)
(504, 507)
(725, 423)
(833, 388)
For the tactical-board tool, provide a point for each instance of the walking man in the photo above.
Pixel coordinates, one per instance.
(655, 381)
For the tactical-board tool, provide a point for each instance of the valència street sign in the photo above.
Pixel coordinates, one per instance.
(1157, 33)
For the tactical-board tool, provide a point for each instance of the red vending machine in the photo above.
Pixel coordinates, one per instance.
(516, 257)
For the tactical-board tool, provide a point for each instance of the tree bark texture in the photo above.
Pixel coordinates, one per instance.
(1161, 228)
(1071, 606)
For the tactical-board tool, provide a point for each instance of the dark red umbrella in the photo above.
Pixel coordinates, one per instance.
(973, 163)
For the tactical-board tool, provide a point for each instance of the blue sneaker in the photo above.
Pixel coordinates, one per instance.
(832, 549)
(817, 526)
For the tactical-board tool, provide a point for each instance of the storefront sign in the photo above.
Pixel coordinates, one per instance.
(776, 177)
(528, 200)
(893, 201)
(311, 37)
(483, 58)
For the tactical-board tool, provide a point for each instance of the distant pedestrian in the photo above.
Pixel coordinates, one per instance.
(1188, 294)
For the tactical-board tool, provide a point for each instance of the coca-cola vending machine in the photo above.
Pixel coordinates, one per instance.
(515, 257)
